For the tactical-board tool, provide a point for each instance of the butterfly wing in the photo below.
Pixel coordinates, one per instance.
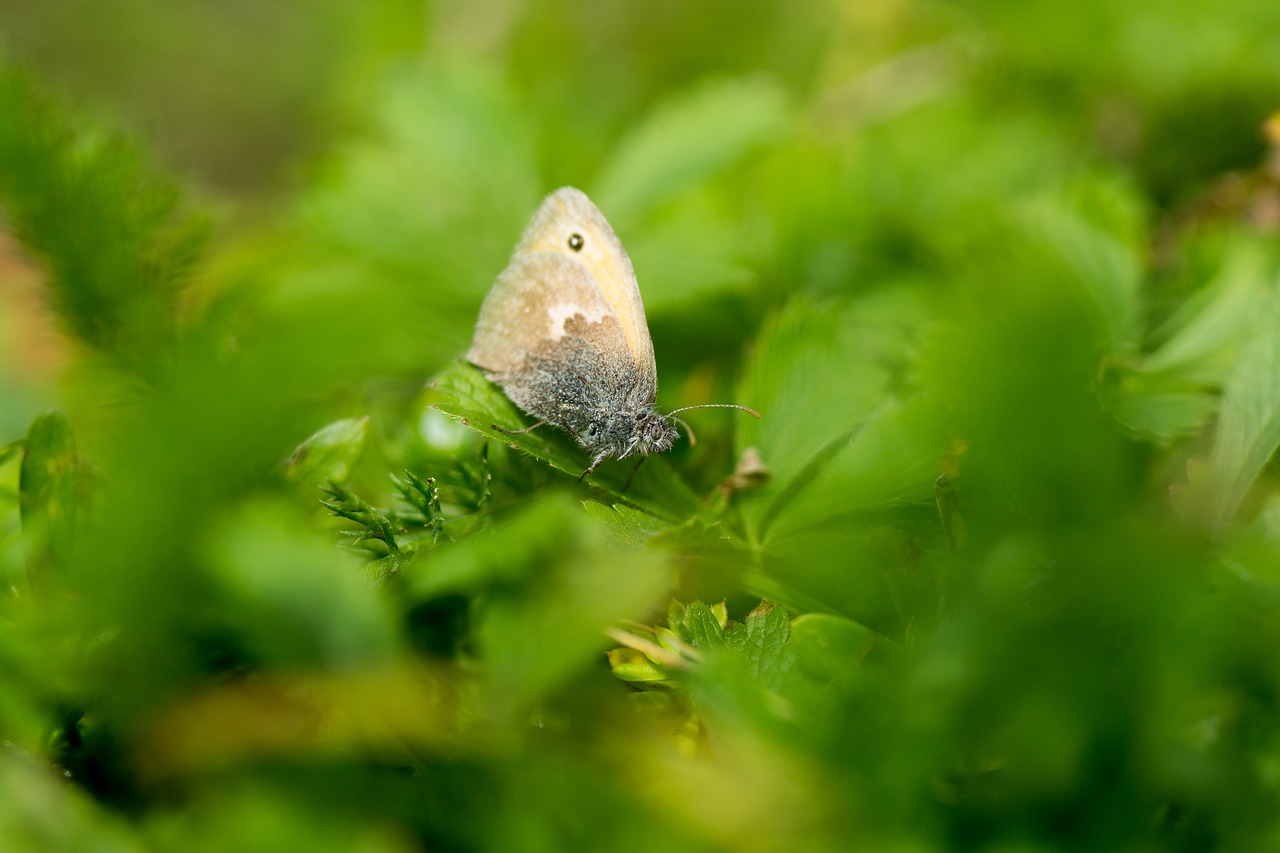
(563, 330)
(568, 212)
(548, 337)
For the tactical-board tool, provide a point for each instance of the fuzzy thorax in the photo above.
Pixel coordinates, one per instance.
(623, 434)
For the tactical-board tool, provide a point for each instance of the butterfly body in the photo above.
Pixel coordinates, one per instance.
(563, 332)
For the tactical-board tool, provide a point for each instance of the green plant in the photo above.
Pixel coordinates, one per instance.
(996, 569)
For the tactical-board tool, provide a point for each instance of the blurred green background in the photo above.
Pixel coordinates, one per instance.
(996, 570)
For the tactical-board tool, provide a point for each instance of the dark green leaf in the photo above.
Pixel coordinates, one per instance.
(48, 485)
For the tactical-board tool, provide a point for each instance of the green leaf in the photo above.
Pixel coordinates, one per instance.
(293, 599)
(1104, 272)
(442, 188)
(883, 465)
(549, 583)
(111, 234)
(825, 646)
(676, 273)
(505, 554)
(464, 394)
(761, 642)
(1171, 393)
(1200, 337)
(48, 484)
(627, 526)
(419, 215)
(329, 454)
(10, 450)
(1249, 423)
(685, 140)
(698, 625)
(633, 667)
(813, 412)
(43, 812)
(1164, 413)
(839, 569)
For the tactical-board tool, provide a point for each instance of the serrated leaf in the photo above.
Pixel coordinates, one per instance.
(697, 625)
(48, 484)
(464, 394)
(686, 139)
(329, 454)
(761, 642)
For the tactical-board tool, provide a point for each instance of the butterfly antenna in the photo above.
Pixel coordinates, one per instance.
(749, 411)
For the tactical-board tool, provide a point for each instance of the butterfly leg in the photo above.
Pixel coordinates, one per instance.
(519, 431)
(632, 475)
(594, 462)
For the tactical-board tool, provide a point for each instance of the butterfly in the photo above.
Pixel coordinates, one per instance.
(563, 333)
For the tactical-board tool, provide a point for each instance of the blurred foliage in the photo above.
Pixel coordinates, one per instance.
(998, 568)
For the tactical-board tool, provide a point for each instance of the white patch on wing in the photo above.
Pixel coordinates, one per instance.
(562, 312)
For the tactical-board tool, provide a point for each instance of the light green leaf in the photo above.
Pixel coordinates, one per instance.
(10, 450)
(885, 463)
(1249, 423)
(329, 454)
(1103, 272)
(820, 375)
(627, 526)
(1210, 323)
(697, 624)
(1163, 414)
(686, 140)
(674, 270)
(1171, 393)
(419, 216)
(443, 187)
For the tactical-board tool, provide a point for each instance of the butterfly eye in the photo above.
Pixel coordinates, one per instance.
(576, 242)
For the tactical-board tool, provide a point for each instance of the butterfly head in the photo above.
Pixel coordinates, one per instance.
(619, 434)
